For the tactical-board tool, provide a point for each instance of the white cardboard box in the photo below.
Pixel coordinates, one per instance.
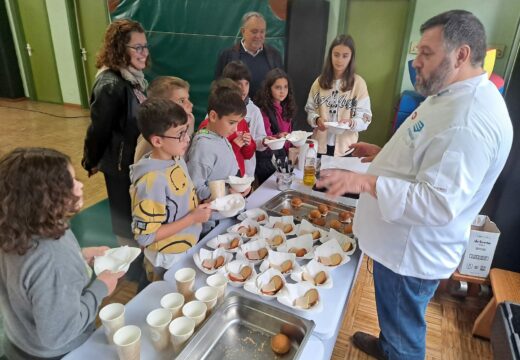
(479, 253)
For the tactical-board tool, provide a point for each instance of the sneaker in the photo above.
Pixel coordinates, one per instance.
(369, 344)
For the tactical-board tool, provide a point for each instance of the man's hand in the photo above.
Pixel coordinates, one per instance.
(339, 182)
(365, 151)
(110, 279)
(320, 123)
(90, 252)
(201, 213)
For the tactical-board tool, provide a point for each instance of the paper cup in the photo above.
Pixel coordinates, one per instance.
(173, 302)
(113, 318)
(185, 278)
(217, 189)
(208, 295)
(195, 310)
(128, 342)
(158, 321)
(180, 330)
(219, 282)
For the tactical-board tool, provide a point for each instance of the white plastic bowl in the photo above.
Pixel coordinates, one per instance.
(240, 184)
(298, 137)
(229, 205)
(275, 144)
(336, 128)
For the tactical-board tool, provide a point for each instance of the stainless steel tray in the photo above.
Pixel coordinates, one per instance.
(241, 328)
(283, 200)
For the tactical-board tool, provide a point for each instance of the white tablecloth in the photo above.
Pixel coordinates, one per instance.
(328, 322)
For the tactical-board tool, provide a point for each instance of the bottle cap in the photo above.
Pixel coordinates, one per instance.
(311, 145)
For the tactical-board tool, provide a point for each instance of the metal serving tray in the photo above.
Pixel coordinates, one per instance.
(283, 200)
(241, 328)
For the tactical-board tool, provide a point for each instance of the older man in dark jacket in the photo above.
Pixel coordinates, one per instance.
(258, 57)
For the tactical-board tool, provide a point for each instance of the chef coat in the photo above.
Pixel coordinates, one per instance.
(434, 176)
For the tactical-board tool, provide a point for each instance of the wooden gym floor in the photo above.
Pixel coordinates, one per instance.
(449, 319)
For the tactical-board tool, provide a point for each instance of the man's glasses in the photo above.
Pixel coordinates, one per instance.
(138, 48)
(182, 135)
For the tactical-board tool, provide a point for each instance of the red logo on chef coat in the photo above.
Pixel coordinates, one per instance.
(414, 115)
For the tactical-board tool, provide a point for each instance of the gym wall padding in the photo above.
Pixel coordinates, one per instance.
(185, 37)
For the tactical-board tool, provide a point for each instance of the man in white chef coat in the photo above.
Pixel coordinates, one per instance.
(424, 188)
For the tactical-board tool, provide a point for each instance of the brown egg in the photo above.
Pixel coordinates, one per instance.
(280, 344)
(287, 228)
(296, 202)
(347, 246)
(260, 218)
(234, 243)
(335, 224)
(347, 229)
(286, 266)
(345, 216)
(319, 221)
(314, 214)
(316, 235)
(323, 209)
(286, 211)
(335, 259)
(262, 253)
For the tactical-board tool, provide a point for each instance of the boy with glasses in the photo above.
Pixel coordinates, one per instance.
(167, 217)
(176, 90)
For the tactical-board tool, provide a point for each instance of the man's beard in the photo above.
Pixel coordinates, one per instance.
(436, 81)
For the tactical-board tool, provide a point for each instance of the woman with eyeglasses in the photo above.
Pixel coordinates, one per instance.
(111, 137)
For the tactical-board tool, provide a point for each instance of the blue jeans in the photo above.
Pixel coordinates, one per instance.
(401, 303)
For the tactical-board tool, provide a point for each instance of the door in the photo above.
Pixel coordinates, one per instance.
(379, 31)
(92, 20)
(39, 50)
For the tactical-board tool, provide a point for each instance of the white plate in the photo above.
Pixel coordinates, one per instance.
(275, 144)
(116, 259)
(336, 127)
(298, 137)
(297, 275)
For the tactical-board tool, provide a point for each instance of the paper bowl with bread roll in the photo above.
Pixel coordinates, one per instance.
(331, 254)
(254, 251)
(230, 242)
(209, 262)
(273, 237)
(238, 272)
(229, 205)
(247, 229)
(284, 223)
(301, 246)
(305, 227)
(301, 296)
(284, 262)
(267, 284)
(314, 274)
(348, 244)
(257, 214)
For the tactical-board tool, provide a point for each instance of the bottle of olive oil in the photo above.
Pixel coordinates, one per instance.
(309, 169)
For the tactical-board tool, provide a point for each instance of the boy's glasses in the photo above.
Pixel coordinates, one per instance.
(182, 135)
(138, 48)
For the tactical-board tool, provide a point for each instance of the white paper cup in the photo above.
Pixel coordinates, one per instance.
(128, 342)
(173, 302)
(217, 189)
(219, 282)
(195, 310)
(185, 278)
(158, 321)
(113, 318)
(208, 295)
(180, 330)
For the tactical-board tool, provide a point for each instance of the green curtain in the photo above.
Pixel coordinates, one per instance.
(186, 36)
